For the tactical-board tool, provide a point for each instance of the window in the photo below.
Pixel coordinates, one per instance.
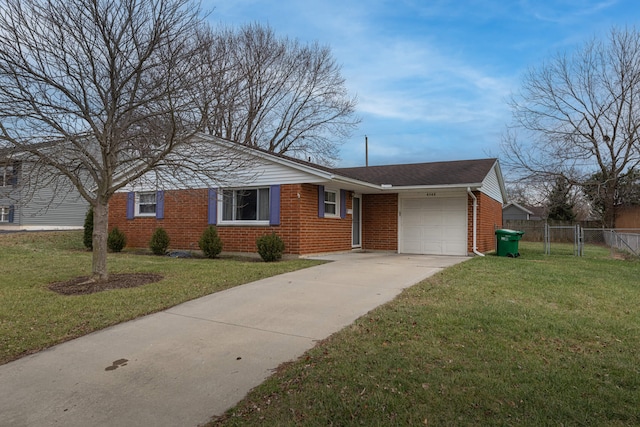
(245, 205)
(146, 204)
(330, 203)
(7, 175)
(4, 213)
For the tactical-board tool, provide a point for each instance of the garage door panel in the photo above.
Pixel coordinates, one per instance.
(434, 226)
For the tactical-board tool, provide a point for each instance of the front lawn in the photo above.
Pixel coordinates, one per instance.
(538, 340)
(32, 317)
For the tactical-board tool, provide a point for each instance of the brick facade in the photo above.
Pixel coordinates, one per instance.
(489, 218)
(380, 222)
(185, 218)
(303, 232)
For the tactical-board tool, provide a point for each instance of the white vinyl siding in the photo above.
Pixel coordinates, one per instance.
(491, 186)
(56, 206)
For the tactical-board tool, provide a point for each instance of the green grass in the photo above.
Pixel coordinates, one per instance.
(32, 317)
(538, 340)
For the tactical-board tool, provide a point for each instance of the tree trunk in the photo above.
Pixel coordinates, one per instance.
(609, 211)
(100, 226)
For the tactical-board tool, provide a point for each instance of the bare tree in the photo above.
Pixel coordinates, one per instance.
(96, 94)
(277, 94)
(578, 114)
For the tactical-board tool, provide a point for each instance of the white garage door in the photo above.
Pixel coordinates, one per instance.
(435, 226)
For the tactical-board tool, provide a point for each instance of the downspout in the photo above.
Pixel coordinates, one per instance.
(475, 220)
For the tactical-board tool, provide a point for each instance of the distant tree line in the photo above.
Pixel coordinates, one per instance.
(576, 123)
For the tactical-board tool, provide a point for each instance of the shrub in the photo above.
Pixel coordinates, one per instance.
(210, 242)
(159, 241)
(116, 240)
(87, 238)
(270, 247)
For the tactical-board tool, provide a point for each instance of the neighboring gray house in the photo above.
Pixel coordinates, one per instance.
(49, 207)
(514, 211)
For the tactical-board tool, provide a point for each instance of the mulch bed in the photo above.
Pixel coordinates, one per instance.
(83, 286)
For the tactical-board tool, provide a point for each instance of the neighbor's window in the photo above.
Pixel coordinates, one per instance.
(4, 214)
(6, 175)
(330, 203)
(146, 203)
(245, 205)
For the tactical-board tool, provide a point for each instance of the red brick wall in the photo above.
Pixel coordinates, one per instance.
(380, 222)
(489, 218)
(185, 218)
(318, 235)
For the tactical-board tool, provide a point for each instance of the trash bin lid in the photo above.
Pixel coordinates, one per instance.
(507, 232)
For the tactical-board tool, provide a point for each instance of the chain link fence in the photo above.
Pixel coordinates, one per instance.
(579, 234)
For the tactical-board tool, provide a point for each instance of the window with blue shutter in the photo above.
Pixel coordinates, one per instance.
(320, 201)
(274, 205)
(212, 209)
(160, 204)
(131, 201)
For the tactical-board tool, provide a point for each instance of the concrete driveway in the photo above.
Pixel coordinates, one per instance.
(181, 366)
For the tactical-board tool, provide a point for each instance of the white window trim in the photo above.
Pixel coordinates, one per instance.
(4, 214)
(221, 221)
(337, 203)
(6, 172)
(137, 204)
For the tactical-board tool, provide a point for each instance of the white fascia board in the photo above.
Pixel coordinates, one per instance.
(386, 188)
(351, 181)
(395, 189)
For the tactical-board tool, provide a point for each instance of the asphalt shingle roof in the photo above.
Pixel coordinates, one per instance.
(435, 173)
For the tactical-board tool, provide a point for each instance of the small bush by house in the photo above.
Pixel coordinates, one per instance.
(116, 241)
(210, 243)
(270, 247)
(159, 241)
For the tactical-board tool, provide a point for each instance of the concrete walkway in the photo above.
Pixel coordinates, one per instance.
(186, 364)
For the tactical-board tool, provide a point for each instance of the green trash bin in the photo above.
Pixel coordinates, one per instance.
(507, 242)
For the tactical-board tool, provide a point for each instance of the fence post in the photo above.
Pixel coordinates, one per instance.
(547, 242)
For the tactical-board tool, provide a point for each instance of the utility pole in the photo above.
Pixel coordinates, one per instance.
(366, 150)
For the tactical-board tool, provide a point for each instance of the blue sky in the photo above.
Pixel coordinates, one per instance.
(432, 77)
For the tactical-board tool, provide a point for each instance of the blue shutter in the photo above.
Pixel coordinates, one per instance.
(160, 204)
(131, 201)
(343, 204)
(212, 209)
(320, 201)
(274, 205)
(11, 213)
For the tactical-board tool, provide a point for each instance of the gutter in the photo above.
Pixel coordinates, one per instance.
(475, 221)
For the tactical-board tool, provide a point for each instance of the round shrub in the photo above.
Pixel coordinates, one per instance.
(210, 243)
(270, 247)
(87, 238)
(116, 241)
(159, 241)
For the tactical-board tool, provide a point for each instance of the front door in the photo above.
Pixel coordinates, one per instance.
(356, 223)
